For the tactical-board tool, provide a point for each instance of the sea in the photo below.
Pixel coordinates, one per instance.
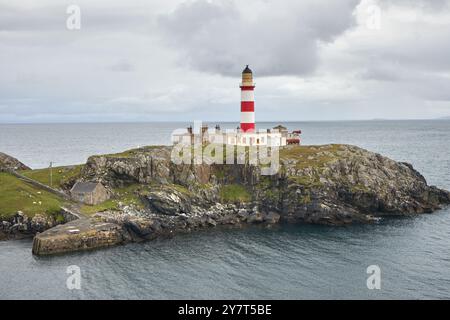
(411, 255)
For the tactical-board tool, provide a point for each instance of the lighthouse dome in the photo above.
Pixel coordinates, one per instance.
(247, 70)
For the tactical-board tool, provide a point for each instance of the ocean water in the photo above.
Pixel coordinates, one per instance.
(284, 262)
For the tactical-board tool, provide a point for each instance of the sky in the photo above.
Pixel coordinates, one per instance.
(172, 60)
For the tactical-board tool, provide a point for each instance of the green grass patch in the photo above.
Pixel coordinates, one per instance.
(265, 182)
(17, 195)
(132, 152)
(179, 188)
(204, 186)
(306, 181)
(125, 154)
(60, 175)
(359, 188)
(235, 193)
(111, 204)
(272, 194)
(311, 156)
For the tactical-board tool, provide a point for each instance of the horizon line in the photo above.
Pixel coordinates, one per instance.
(221, 121)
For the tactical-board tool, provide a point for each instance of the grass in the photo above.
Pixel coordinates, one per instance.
(60, 175)
(17, 195)
(125, 154)
(235, 193)
(127, 196)
(111, 204)
(306, 181)
(359, 188)
(305, 199)
(180, 188)
(272, 195)
(130, 153)
(311, 156)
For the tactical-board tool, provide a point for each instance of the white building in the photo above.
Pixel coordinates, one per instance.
(277, 136)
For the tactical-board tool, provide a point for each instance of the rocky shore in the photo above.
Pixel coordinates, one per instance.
(20, 226)
(329, 184)
(114, 228)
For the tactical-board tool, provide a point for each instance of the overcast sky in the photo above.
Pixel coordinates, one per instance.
(163, 60)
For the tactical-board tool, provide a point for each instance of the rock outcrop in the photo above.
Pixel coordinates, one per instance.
(9, 163)
(21, 226)
(330, 184)
(113, 228)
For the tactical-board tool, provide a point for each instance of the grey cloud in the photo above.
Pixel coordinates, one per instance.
(220, 37)
(424, 4)
(94, 17)
(130, 61)
(379, 74)
(122, 66)
(407, 58)
(13, 18)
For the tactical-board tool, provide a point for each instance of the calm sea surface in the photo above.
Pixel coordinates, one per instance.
(286, 262)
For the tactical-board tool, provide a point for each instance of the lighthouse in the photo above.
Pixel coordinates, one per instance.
(246, 134)
(247, 101)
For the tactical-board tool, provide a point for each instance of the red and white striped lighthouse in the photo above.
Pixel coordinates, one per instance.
(247, 101)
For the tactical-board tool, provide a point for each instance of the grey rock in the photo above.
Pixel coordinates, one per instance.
(10, 163)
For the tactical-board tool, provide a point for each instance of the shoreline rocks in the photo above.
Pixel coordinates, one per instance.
(115, 228)
(20, 226)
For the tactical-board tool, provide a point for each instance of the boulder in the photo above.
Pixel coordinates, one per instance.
(170, 202)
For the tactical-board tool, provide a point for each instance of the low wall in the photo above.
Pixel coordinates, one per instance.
(39, 185)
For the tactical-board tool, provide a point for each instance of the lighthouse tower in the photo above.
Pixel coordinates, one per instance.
(247, 101)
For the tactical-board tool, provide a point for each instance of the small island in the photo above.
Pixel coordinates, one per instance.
(148, 196)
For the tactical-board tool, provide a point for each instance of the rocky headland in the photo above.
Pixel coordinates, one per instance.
(10, 163)
(153, 197)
